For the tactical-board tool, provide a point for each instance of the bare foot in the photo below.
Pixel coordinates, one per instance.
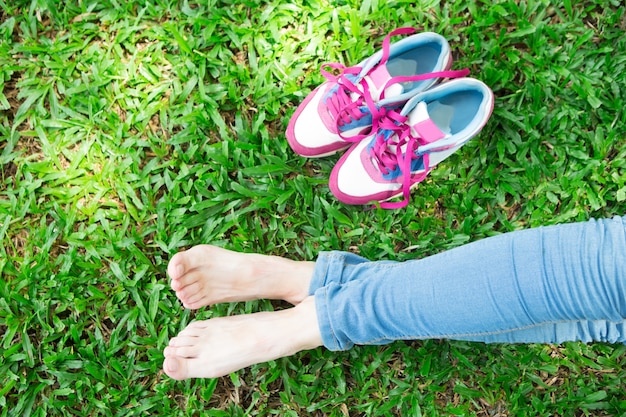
(206, 274)
(219, 346)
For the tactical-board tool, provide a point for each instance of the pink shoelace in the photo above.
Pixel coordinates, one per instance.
(395, 147)
(346, 103)
(341, 105)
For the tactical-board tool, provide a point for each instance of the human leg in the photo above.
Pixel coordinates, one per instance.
(205, 275)
(549, 284)
(541, 285)
(219, 346)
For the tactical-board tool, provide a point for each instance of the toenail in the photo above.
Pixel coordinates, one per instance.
(172, 365)
(179, 270)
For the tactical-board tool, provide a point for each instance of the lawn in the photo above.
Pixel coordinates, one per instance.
(132, 130)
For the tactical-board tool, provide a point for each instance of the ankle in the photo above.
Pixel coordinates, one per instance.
(283, 278)
(306, 326)
(299, 281)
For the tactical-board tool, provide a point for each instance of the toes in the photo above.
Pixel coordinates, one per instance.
(198, 301)
(188, 293)
(193, 258)
(176, 266)
(185, 352)
(176, 368)
(207, 274)
(183, 339)
(179, 368)
(194, 329)
(195, 305)
(179, 354)
(187, 271)
(183, 357)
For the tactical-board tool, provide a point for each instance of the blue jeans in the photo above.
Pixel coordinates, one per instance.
(545, 285)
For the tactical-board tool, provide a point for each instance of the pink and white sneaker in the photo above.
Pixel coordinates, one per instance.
(408, 144)
(344, 109)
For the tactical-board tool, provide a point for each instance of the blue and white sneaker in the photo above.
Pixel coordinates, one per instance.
(345, 109)
(408, 144)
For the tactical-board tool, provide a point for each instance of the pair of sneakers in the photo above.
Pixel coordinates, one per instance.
(394, 114)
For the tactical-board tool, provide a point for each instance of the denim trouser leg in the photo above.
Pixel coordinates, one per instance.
(549, 284)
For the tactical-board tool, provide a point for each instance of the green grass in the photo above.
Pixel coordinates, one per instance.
(131, 130)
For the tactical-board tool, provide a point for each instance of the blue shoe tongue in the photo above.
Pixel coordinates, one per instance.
(358, 124)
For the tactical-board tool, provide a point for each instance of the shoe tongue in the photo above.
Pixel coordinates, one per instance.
(376, 80)
(422, 126)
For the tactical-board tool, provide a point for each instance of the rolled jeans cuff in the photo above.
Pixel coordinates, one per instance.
(328, 265)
